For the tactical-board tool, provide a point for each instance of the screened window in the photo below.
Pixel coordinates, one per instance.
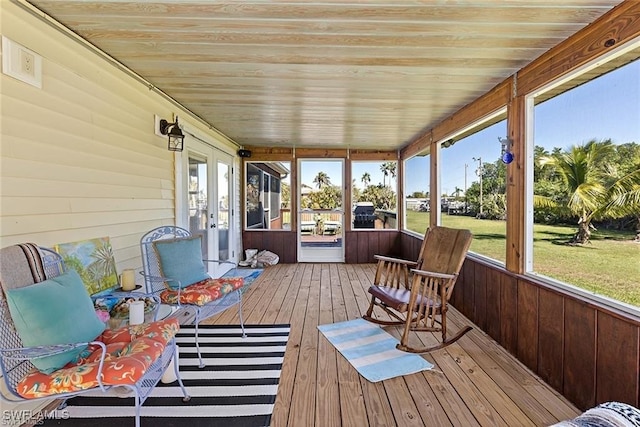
(416, 189)
(374, 195)
(473, 186)
(268, 195)
(586, 176)
(275, 196)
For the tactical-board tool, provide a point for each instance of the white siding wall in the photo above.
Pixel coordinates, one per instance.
(237, 209)
(79, 158)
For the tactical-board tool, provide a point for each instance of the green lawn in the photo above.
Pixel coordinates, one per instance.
(609, 265)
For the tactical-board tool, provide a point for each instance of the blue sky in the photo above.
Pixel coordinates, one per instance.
(333, 169)
(607, 107)
(310, 169)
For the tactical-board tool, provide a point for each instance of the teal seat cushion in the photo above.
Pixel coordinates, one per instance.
(181, 261)
(56, 311)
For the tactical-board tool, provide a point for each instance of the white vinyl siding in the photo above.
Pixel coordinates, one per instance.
(79, 158)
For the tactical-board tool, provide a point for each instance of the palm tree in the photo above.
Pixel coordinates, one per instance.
(366, 179)
(456, 192)
(594, 191)
(322, 180)
(388, 168)
(392, 168)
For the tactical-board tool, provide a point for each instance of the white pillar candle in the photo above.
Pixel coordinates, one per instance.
(169, 375)
(128, 279)
(136, 312)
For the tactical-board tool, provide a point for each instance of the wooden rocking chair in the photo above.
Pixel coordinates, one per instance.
(416, 293)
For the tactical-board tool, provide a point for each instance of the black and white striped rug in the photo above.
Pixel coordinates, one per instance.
(237, 388)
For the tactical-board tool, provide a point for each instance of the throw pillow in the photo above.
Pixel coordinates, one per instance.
(181, 261)
(55, 311)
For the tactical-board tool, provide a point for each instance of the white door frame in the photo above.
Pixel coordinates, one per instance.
(320, 251)
(196, 148)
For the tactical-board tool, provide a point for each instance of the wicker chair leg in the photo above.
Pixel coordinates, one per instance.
(176, 371)
(138, 404)
(201, 364)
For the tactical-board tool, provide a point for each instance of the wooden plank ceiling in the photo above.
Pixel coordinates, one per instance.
(370, 74)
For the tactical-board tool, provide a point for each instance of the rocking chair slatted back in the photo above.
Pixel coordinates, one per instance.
(444, 251)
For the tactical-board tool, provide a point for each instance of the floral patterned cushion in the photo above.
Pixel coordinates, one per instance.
(162, 331)
(203, 292)
(130, 352)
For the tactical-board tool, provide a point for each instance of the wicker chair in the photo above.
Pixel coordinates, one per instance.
(226, 292)
(95, 364)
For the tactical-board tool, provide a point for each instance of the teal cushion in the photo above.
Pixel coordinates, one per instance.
(56, 311)
(181, 261)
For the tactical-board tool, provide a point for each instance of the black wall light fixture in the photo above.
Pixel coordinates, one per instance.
(176, 137)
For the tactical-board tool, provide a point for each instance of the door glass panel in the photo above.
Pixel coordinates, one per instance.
(321, 212)
(223, 211)
(198, 201)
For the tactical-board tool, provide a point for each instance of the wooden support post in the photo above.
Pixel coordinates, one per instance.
(434, 181)
(516, 179)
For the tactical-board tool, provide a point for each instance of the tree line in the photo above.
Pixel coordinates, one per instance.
(329, 196)
(595, 184)
(589, 185)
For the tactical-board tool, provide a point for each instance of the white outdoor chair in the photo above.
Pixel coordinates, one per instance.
(44, 299)
(173, 268)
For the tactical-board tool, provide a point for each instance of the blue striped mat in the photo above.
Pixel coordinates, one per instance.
(372, 351)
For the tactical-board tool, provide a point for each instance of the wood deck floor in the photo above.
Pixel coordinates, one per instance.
(475, 382)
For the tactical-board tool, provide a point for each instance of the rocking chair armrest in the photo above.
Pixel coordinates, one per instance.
(434, 274)
(394, 260)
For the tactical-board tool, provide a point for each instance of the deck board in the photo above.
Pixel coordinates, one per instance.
(475, 382)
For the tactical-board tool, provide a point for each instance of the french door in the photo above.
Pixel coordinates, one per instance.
(208, 178)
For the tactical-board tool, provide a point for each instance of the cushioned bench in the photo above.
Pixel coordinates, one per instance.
(53, 345)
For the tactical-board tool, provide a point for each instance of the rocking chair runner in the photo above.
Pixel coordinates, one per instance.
(416, 293)
(186, 284)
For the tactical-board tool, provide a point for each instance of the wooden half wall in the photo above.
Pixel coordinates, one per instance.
(587, 352)
(360, 246)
